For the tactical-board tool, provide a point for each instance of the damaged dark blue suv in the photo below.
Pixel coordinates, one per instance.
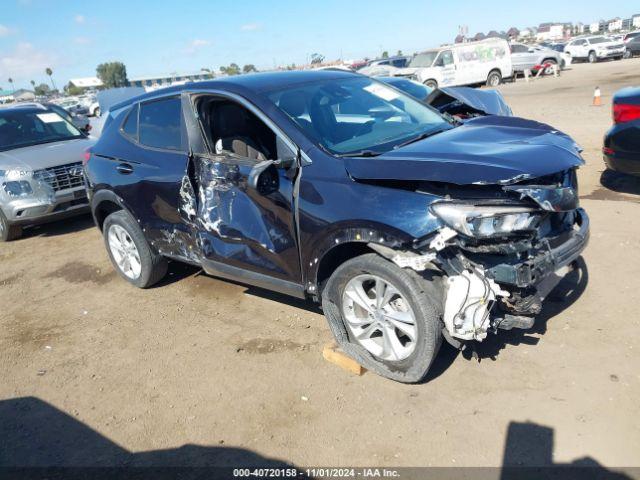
(407, 223)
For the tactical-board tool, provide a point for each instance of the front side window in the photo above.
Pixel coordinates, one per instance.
(160, 124)
(445, 58)
(26, 127)
(350, 115)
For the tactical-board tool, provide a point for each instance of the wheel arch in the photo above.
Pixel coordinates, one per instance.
(343, 244)
(103, 204)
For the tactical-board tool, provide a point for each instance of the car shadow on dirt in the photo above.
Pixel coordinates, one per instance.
(59, 227)
(41, 441)
(565, 294)
(528, 454)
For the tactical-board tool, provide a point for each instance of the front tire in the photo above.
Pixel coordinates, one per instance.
(494, 79)
(593, 58)
(387, 318)
(549, 70)
(8, 232)
(130, 253)
(627, 54)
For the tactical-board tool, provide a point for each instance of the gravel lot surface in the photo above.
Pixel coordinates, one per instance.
(202, 371)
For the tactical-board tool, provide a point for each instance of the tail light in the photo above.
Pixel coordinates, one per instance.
(623, 112)
(86, 157)
(608, 151)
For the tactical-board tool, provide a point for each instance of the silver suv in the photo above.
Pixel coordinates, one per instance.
(525, 57)
(41, 175)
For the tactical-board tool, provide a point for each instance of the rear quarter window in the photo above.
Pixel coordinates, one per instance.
(160, 124)
(130, 125)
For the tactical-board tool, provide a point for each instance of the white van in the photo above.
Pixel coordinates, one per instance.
(486, 61)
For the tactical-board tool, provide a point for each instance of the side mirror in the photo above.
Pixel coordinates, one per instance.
(264, 178)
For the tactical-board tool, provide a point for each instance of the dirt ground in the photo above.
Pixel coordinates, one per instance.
(198, 370)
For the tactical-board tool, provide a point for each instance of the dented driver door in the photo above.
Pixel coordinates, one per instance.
(245, 216)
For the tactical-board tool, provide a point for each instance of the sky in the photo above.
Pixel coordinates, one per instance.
(153, 37)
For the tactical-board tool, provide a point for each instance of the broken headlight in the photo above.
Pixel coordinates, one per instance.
(486, 221)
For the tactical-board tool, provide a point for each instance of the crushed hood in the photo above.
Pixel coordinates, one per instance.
(483, 150)
(45, 155)
(455, 99)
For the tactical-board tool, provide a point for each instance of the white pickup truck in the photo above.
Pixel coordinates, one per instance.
(595, 48)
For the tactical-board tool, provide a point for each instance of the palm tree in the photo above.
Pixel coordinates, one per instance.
(49, 72)
(33, 84)
(12, 86)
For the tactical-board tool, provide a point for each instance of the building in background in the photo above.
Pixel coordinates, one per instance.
(614, 25)
(87, 83)
(161, 81)
(19, 95)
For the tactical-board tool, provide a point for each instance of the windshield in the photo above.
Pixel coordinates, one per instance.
(346, 116)
(423, 60)
(598, 40)
(413, 88)
(22, 128)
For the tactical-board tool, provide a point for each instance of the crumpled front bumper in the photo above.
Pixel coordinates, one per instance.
(532, 271)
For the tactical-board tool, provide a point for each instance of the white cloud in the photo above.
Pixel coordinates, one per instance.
(250, 27)
(26, 62)
(5, 31)
(196, 44)
(79, 18)
(82, 41)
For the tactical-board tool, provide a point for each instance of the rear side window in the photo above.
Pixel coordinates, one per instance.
(160, 122)
(130, 127)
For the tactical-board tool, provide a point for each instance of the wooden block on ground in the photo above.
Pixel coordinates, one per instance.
(334, 354)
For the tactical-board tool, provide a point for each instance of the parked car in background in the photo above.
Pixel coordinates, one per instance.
(81, 122)
(41, 176)
(484, 62)
(409, 227)
(526, 57)
(622, 142)
(459, 102)
(385, 66)
(632, 45)
(595, 48)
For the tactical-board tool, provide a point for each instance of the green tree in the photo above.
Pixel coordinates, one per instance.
(399, 54)
(33, 83)
(112, 74)
(232, 69)
(71, 89)
(385, 54)
(249, 68)
(49, 72)
(42, 90)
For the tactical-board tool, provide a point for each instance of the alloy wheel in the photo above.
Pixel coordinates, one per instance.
(124, 252)
(379, 317)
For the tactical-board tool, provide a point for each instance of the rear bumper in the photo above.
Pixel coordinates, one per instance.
(532, 272)
(623, 163)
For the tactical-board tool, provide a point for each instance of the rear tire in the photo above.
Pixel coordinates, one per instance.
(149, 268)
(592, 58)
(549, 69)
(627, 54)
(8, 232)
(419, 295)
(494, 79)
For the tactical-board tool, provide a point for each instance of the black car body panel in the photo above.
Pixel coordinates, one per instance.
(622, 141)
(483, 150)
(456, 100)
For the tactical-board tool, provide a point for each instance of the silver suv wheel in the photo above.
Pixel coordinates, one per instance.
(124, 252)
(379, 317)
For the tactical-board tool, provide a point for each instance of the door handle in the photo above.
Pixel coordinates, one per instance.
(124, 168)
